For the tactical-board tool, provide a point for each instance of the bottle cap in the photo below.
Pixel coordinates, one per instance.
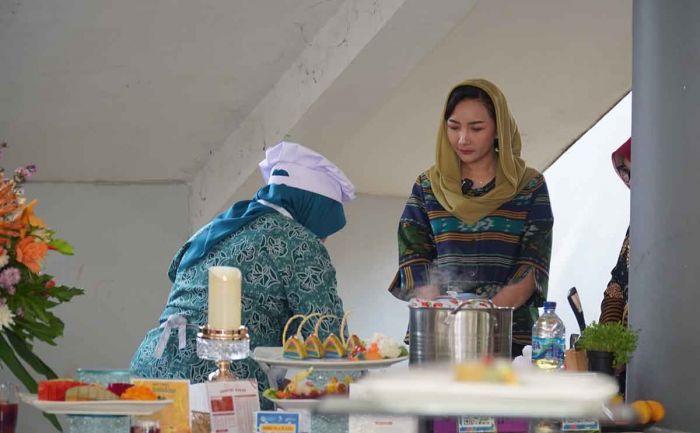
(550, 305)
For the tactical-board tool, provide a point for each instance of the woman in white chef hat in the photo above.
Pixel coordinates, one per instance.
(275, 240)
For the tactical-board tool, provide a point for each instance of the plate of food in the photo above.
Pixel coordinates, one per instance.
(334, 352)
(104, 407)
(295, 404)
(302, 393)
(274, 356)
(70, 397)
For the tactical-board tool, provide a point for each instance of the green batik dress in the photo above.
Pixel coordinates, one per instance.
(286, 270)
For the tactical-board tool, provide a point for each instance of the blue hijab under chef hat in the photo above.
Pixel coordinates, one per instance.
(303, 182)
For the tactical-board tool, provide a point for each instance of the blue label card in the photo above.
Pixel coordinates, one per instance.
(580, 425)
(473, 424)
(276, 422)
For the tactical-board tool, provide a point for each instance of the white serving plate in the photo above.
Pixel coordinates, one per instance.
(273, 356)
(291, 404)
(106, 407)
(433, 392)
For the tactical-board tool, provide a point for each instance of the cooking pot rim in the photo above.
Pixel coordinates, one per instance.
(452, 307)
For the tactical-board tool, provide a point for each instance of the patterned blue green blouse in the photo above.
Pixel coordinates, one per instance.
(435, 247)
(286, 270)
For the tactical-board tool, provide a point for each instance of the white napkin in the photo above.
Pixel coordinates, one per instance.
(524, 360)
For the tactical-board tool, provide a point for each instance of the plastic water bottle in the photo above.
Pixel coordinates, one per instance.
(548, 339)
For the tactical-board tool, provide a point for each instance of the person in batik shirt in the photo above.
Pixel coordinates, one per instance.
(614, 305)
(276, 240)
(479, 216)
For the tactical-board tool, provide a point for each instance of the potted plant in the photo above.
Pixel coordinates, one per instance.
(608, 345)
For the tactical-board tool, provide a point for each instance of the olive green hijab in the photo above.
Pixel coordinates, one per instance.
(511, 174)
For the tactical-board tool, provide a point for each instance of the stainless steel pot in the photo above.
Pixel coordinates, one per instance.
(459, 334)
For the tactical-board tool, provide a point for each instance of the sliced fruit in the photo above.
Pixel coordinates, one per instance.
(139, 392)
(643, 411)
(55, 389)
(658, 411)
(617, 399)
(90, 393)
(353, 342)
(119, 388)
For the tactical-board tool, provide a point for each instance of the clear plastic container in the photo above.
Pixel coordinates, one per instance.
(548, 339)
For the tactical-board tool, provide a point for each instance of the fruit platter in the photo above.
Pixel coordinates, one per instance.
(334, 352)
(301, 393)
(71, 397)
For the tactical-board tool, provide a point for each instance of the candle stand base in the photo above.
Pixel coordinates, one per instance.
(223, 346)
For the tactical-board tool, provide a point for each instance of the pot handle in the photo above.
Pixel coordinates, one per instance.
(449, 319)
(490, 302)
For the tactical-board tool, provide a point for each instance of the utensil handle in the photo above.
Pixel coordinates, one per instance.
(577, 308)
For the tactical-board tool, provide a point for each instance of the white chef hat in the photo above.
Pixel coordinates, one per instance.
(294, 165)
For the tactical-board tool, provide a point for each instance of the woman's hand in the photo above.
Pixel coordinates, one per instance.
(517, 292)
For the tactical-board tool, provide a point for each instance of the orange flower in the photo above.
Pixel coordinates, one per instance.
(29, 219)
(31, 252)
(9, 204)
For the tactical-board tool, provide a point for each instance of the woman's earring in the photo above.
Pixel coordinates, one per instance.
(495, 145)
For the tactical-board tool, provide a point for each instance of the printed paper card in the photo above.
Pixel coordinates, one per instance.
(176, 417)
(233, 405)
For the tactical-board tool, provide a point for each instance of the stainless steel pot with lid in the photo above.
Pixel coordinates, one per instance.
(459, 333)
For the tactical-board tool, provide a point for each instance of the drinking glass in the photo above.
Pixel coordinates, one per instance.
(8, 408)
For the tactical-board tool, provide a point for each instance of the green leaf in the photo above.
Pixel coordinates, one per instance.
(8, 357)
(62, 246)
(25, 352)
(37, 307)
(40, 331)
(54, 421)
(51, 304)
(65, 293)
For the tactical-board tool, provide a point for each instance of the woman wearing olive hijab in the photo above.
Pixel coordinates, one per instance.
(479, 215)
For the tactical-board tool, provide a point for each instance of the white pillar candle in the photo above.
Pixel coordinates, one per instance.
(224, 297)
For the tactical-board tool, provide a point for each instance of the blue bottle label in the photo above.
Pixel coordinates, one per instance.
(548, 348)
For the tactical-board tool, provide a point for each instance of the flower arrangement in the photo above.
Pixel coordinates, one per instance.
(27, 295)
